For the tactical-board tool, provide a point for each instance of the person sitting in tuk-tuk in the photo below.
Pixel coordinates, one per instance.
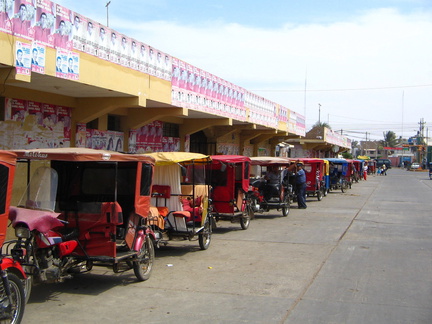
(272, 178)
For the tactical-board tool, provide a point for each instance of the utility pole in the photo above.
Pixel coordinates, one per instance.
(319, 114)
(108, 3)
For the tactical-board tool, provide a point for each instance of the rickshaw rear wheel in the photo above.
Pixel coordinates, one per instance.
(144, 264)
(319, 195)
(204, 238)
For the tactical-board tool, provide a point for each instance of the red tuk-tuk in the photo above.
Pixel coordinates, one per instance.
(83, 208)
(357, 171)
(266, 194)
(15, 285)
(230, 184)
(315, 176)
(180, 203)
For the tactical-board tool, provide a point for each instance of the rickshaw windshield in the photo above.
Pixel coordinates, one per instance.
(41, 190)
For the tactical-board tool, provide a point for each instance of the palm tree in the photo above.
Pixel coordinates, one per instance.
(321, 124)
(390, 139)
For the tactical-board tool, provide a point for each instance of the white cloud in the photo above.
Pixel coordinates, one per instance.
(381, 48)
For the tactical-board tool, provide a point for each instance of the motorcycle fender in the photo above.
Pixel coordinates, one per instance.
(139, 241)
(7, 263)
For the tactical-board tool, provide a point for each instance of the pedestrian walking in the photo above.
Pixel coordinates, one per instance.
(365, 171)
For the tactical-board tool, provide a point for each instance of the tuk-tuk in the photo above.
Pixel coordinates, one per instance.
(84, 208)
(15, 285)
(357, 171)
(180, 198)
(266, 193)
(230, 185)
(372, 166)
(315, 177)
(338, 174)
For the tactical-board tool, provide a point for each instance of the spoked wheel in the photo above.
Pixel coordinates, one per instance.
(319, 195)
(286, 205)
(27, 284)
(12, 313)
(144, 263)
(344, 186)
(246, 216)
(204, 238)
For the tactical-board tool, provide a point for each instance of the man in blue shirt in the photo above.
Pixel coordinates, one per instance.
(301, 185)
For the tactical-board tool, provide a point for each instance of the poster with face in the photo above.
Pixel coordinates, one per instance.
(16, 109)
(6, 14)
(44, 22)
(125, 50)
(102, 41)
(183, 75)
(78, 32)
(35, 108)
(63, 28)
(38, 52)
(64, 117)
(73, 66)
(23, 58)
(62, 58)
(24, 13)
(49, 114)
(151, 61)
(175, 79)
(167, 68)
(114, 46)
(134, 51)
(143, 58)
(90, 35)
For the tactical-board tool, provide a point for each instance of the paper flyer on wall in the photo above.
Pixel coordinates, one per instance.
(38, 56)
(23, 58)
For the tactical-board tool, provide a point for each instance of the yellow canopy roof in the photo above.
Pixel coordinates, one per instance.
(166, 158)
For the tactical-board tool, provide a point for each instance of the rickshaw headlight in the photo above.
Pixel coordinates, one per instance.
(22, 232)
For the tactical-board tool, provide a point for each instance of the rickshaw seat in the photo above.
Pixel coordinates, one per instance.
(155, 216)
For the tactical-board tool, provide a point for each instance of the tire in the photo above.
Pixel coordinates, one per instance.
(27, 284)
(344, 186)
(18, 300)
(246, 217)
(204, 238)
(319, 195)
(144, 265)
(286, 206)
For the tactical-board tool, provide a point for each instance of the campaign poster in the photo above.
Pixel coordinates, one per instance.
(90, 36)
(99, 139)
(23, 58)
(190, 77)
(183, 75)
(44, 22)
(134, 55)
(203, 88)
(114, 46)
(102, 42)
(160, 64)
(64, 116)
(197, 81)
(81, 135)
(38, 55)
(16, 109)
(209, 82)
(49, 114)
(6, 14)
(63, 28)
(143, 58)
(78, 32)
(62, 56)
(175, 72)
(167, 68)
(35, 108)
(73, 66)
(124, 50)
(151, 61)
(24, 13)
(132, 141)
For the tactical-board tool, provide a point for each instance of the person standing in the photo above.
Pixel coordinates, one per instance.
(365, 171)
(301, 185)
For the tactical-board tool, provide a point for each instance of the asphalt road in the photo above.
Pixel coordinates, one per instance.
(364, 256)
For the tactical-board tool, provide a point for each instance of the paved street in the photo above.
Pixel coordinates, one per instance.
(360, 257)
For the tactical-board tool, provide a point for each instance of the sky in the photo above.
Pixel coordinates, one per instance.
(362, 66)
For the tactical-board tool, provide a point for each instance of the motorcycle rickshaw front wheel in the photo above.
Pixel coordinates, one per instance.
(12, 313)
(144, 263)
(204, 237)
